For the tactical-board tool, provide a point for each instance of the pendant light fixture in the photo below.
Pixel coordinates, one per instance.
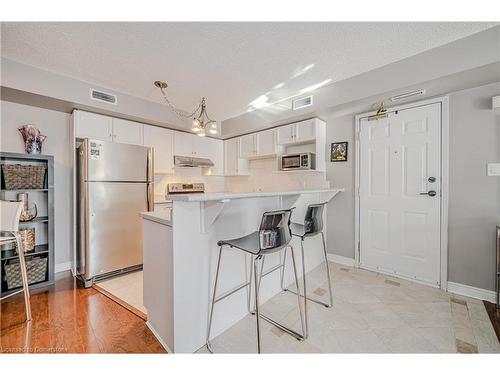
(201, 121)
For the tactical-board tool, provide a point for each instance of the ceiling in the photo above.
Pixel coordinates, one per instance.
(237, 66)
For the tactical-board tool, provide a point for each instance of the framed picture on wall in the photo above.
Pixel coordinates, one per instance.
(338, 152)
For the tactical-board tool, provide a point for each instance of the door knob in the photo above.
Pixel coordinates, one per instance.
(430, 193)
(431, 179)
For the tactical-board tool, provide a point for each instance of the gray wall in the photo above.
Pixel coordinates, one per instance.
(474, 204)
(55, 125)
(340, 235)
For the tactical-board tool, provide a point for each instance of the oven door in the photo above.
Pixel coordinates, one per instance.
(290, 162)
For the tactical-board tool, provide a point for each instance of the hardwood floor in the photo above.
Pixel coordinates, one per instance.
(494, 315)
(70, 319)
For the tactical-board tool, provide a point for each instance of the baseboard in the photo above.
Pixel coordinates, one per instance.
(155, 334)
(61, 267)
(345, 261)
(471, 291)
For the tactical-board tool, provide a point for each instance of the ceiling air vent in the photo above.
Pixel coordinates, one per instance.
(103, 97)
(302, 102)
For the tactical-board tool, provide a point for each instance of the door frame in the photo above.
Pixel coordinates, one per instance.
(444, 101)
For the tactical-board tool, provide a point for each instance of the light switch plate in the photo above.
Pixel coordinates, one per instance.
(493, 169)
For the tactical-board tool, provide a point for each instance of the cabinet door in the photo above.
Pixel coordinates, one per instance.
(286, 134)
(212, 149)
(305, 131)
(162, 141)
(247, 146)
(231, 156)
(92, 125)
(183, 144)
(266, 143)
(130, 132)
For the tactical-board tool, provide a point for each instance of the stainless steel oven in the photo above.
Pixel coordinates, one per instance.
(306, 160)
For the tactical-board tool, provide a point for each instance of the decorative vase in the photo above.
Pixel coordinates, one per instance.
(32, 139)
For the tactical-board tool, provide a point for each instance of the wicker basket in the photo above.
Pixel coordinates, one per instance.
(23, 176)
(27, 239)
(36, 269)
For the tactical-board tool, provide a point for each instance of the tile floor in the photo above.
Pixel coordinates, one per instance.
(128, 288)
(372, 313)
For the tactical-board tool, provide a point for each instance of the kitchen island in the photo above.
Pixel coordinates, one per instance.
(180, 254)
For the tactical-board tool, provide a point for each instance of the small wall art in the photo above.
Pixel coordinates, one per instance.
(339, 152)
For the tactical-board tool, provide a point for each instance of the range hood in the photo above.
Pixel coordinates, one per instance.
(187, 161)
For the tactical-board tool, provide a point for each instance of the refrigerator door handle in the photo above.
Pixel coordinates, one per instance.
(150, 166)
(150, 197)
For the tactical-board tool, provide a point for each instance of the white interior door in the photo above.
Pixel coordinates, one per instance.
(400, 168)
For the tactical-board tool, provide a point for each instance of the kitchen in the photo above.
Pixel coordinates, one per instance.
(269, 227)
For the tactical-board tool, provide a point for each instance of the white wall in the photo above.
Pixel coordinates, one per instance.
(55, 125)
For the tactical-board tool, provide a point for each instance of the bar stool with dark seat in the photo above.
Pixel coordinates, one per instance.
(313, 226)
(10, 212)
(273, 235)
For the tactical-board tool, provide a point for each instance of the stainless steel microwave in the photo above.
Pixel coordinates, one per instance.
(306, 160)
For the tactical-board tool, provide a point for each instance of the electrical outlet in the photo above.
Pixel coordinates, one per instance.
(493, 169)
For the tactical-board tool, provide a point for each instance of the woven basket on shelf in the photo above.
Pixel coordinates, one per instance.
(36, 269)
(23, 176)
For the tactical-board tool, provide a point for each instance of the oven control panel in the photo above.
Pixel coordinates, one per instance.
(182, 188)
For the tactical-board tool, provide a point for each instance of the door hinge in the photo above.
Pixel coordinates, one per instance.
(359, 248)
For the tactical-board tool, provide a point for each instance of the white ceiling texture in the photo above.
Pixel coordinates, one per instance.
(237, 66)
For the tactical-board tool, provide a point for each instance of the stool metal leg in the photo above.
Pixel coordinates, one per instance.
(211, 314)
(24, 276)
(257, 315)
(304, 328)
(306, 334)
(285, 289)
(327, 270)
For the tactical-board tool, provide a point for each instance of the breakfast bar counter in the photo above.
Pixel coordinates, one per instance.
(180, 254)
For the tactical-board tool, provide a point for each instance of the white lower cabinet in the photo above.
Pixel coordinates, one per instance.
(162, 141)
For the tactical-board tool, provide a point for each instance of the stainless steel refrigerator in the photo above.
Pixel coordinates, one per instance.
(115, 185)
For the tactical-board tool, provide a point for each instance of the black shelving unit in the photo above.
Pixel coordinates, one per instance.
(43, 223)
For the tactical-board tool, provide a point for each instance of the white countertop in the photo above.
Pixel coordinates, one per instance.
(162, 217)
(202, 197)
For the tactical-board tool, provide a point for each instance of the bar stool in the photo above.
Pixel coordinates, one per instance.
(313, 226)
(10, 212)
(273, 235)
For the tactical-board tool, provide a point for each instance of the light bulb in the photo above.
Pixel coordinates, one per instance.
(196, 123)
(196, 130)
(213, 131)
(213, 125)
(201, 134)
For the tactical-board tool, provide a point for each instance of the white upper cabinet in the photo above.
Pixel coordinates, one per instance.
(285, 134)
(233, 164)
(106, 128)
(299, 132)
(258, 145)
(130, 132)
(212, 149)
(266, 143)
(92, 125)
(184, 144)
(306, 130)
(248, 146)
(162, 141)
(191, 145)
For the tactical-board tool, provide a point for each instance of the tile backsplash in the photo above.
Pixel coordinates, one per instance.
(264, 176)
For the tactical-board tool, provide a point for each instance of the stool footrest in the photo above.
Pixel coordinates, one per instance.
(290, 331)
(308, 298)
